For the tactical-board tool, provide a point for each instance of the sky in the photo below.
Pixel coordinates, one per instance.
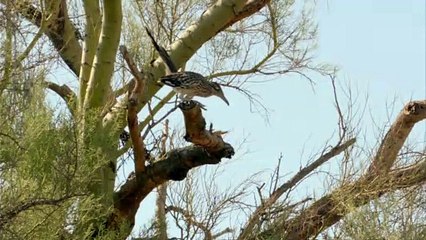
(379, 47)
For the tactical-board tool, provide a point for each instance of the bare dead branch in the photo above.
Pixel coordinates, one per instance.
(334, 206)
(394, 139)
(139, 152)
(132, 112)
(331, 208)
(254, 218)
(189, 218)
(196, 132)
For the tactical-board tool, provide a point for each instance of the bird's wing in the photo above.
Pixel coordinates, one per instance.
(173, 80)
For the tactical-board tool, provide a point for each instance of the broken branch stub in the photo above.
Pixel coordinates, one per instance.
(195, 126)
(396, 136)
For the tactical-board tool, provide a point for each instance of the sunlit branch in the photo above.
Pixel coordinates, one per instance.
(65, 93)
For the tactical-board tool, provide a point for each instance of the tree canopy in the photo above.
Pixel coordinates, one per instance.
(60, 156)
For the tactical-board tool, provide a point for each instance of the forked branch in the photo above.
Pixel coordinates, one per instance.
(378, 180)
(255, 217)
(208, 148)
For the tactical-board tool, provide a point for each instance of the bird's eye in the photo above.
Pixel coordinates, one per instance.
(216, 86)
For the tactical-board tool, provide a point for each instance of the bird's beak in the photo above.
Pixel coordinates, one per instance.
(224, 98)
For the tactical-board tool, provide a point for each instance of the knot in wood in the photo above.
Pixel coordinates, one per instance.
(413, 108)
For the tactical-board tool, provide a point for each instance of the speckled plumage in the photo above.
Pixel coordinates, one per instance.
(190, 84)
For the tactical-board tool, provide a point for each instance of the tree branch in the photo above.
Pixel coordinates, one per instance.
(331, 208)
(249, 9)
(7, 216)
(91, 39)
(65, 93)
(209, 148)
(189, 218)
(61, 31)
(98, 86)
(255, 217)
(139, 152)
(395, 137)
(196, 132)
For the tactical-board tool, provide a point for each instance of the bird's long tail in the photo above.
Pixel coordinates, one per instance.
(171, 80)
(163, 53)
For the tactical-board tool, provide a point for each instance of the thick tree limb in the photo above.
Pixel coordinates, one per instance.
(331, 208)
(395, 137)
(255, 217)
(209, 148)
(61, 32)
(209, 24)
(249, 9)
(91, 39)
(174, 166)
(378, 180)
(196, 132)
(98, 86)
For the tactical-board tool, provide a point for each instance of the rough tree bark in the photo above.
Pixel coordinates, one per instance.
(174, 166)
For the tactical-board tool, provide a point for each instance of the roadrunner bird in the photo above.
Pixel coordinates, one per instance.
(190, 84)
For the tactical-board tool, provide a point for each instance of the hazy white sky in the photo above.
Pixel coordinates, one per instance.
(379, 46)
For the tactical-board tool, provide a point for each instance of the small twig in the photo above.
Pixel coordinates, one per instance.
(13, 140)
(154, 123)
(190, 219)
(342, 126)
(254, 218)
(224, 231)
(132, 66)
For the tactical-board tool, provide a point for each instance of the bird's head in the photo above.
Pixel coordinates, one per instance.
(218, 92)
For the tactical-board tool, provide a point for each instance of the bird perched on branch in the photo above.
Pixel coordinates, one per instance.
(189, 84)
(186, 84)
